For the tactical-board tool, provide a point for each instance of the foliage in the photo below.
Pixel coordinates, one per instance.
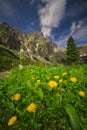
(73, 116)
(28, 100)
(72, 51)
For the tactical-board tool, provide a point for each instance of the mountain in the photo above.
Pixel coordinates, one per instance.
(37, 47)
(32, 47)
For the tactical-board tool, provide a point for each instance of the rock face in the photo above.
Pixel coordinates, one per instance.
(83, 53)
(36, 45)
(33, 46)
(9, 36)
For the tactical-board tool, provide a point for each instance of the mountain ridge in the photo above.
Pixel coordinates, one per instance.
(34, 46)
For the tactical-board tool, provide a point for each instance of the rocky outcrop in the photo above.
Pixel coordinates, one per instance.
(83, 53)
(9, 36)
(33, 46)
(38, 46)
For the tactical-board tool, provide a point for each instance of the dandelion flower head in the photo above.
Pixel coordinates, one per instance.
(38, 81)
(56, 77)
(65, 73)
(16, 97)
(32, 107)
(52, 84)
(73, 79)
(60, 81)
(82, 93)
(12, 120)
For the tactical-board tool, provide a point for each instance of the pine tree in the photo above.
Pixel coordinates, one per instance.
(72, 52)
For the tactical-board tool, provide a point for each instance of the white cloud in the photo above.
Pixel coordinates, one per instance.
(51, 15)
(76, 26)
(81, 34)
(62, 41)
(6, 8)
(78, 31)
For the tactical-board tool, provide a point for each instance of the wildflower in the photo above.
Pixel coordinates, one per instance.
(60, 80)
(12, 120)
(52, 84)
(65, 73)
(57, 94)
(20, 66)
(32, 107)
(48, 78)
(62, 89)
(73, 79)
(38, 81)
(65, 81)
(16, 97)
(82, 93)
(56, 77)
(33, 78)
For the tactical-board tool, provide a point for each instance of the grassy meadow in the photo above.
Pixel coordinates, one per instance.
(44, 98)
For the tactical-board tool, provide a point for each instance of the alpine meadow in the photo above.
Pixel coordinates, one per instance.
(43, 65)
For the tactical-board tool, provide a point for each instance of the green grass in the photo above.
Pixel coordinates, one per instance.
(7, 58)
(58, 108)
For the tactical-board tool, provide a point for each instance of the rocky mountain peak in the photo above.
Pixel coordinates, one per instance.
(37, 45)
(33, 46)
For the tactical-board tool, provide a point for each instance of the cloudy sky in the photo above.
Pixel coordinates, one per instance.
(57, 19)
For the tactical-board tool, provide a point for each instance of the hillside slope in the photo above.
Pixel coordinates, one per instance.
(9, 36)
(7, 58)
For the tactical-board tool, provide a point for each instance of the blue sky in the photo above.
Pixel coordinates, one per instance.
(57, 19)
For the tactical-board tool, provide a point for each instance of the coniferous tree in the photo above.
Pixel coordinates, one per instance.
(72, 52)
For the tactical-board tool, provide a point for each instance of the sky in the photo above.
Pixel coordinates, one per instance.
(56, 19)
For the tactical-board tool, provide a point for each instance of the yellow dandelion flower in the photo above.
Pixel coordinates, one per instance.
(73, 79)
(48, 78)
(60, 81)
(32, 107)
(82, 93)
(57, 94)
(16, 97)
(56, 77)
(12, 120)
(65, 81)
(33, 78)
(52, 84)
(65, 73)
(38, 81)
(62, 89)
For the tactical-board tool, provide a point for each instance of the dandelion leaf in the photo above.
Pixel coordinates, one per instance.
(73, 117)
